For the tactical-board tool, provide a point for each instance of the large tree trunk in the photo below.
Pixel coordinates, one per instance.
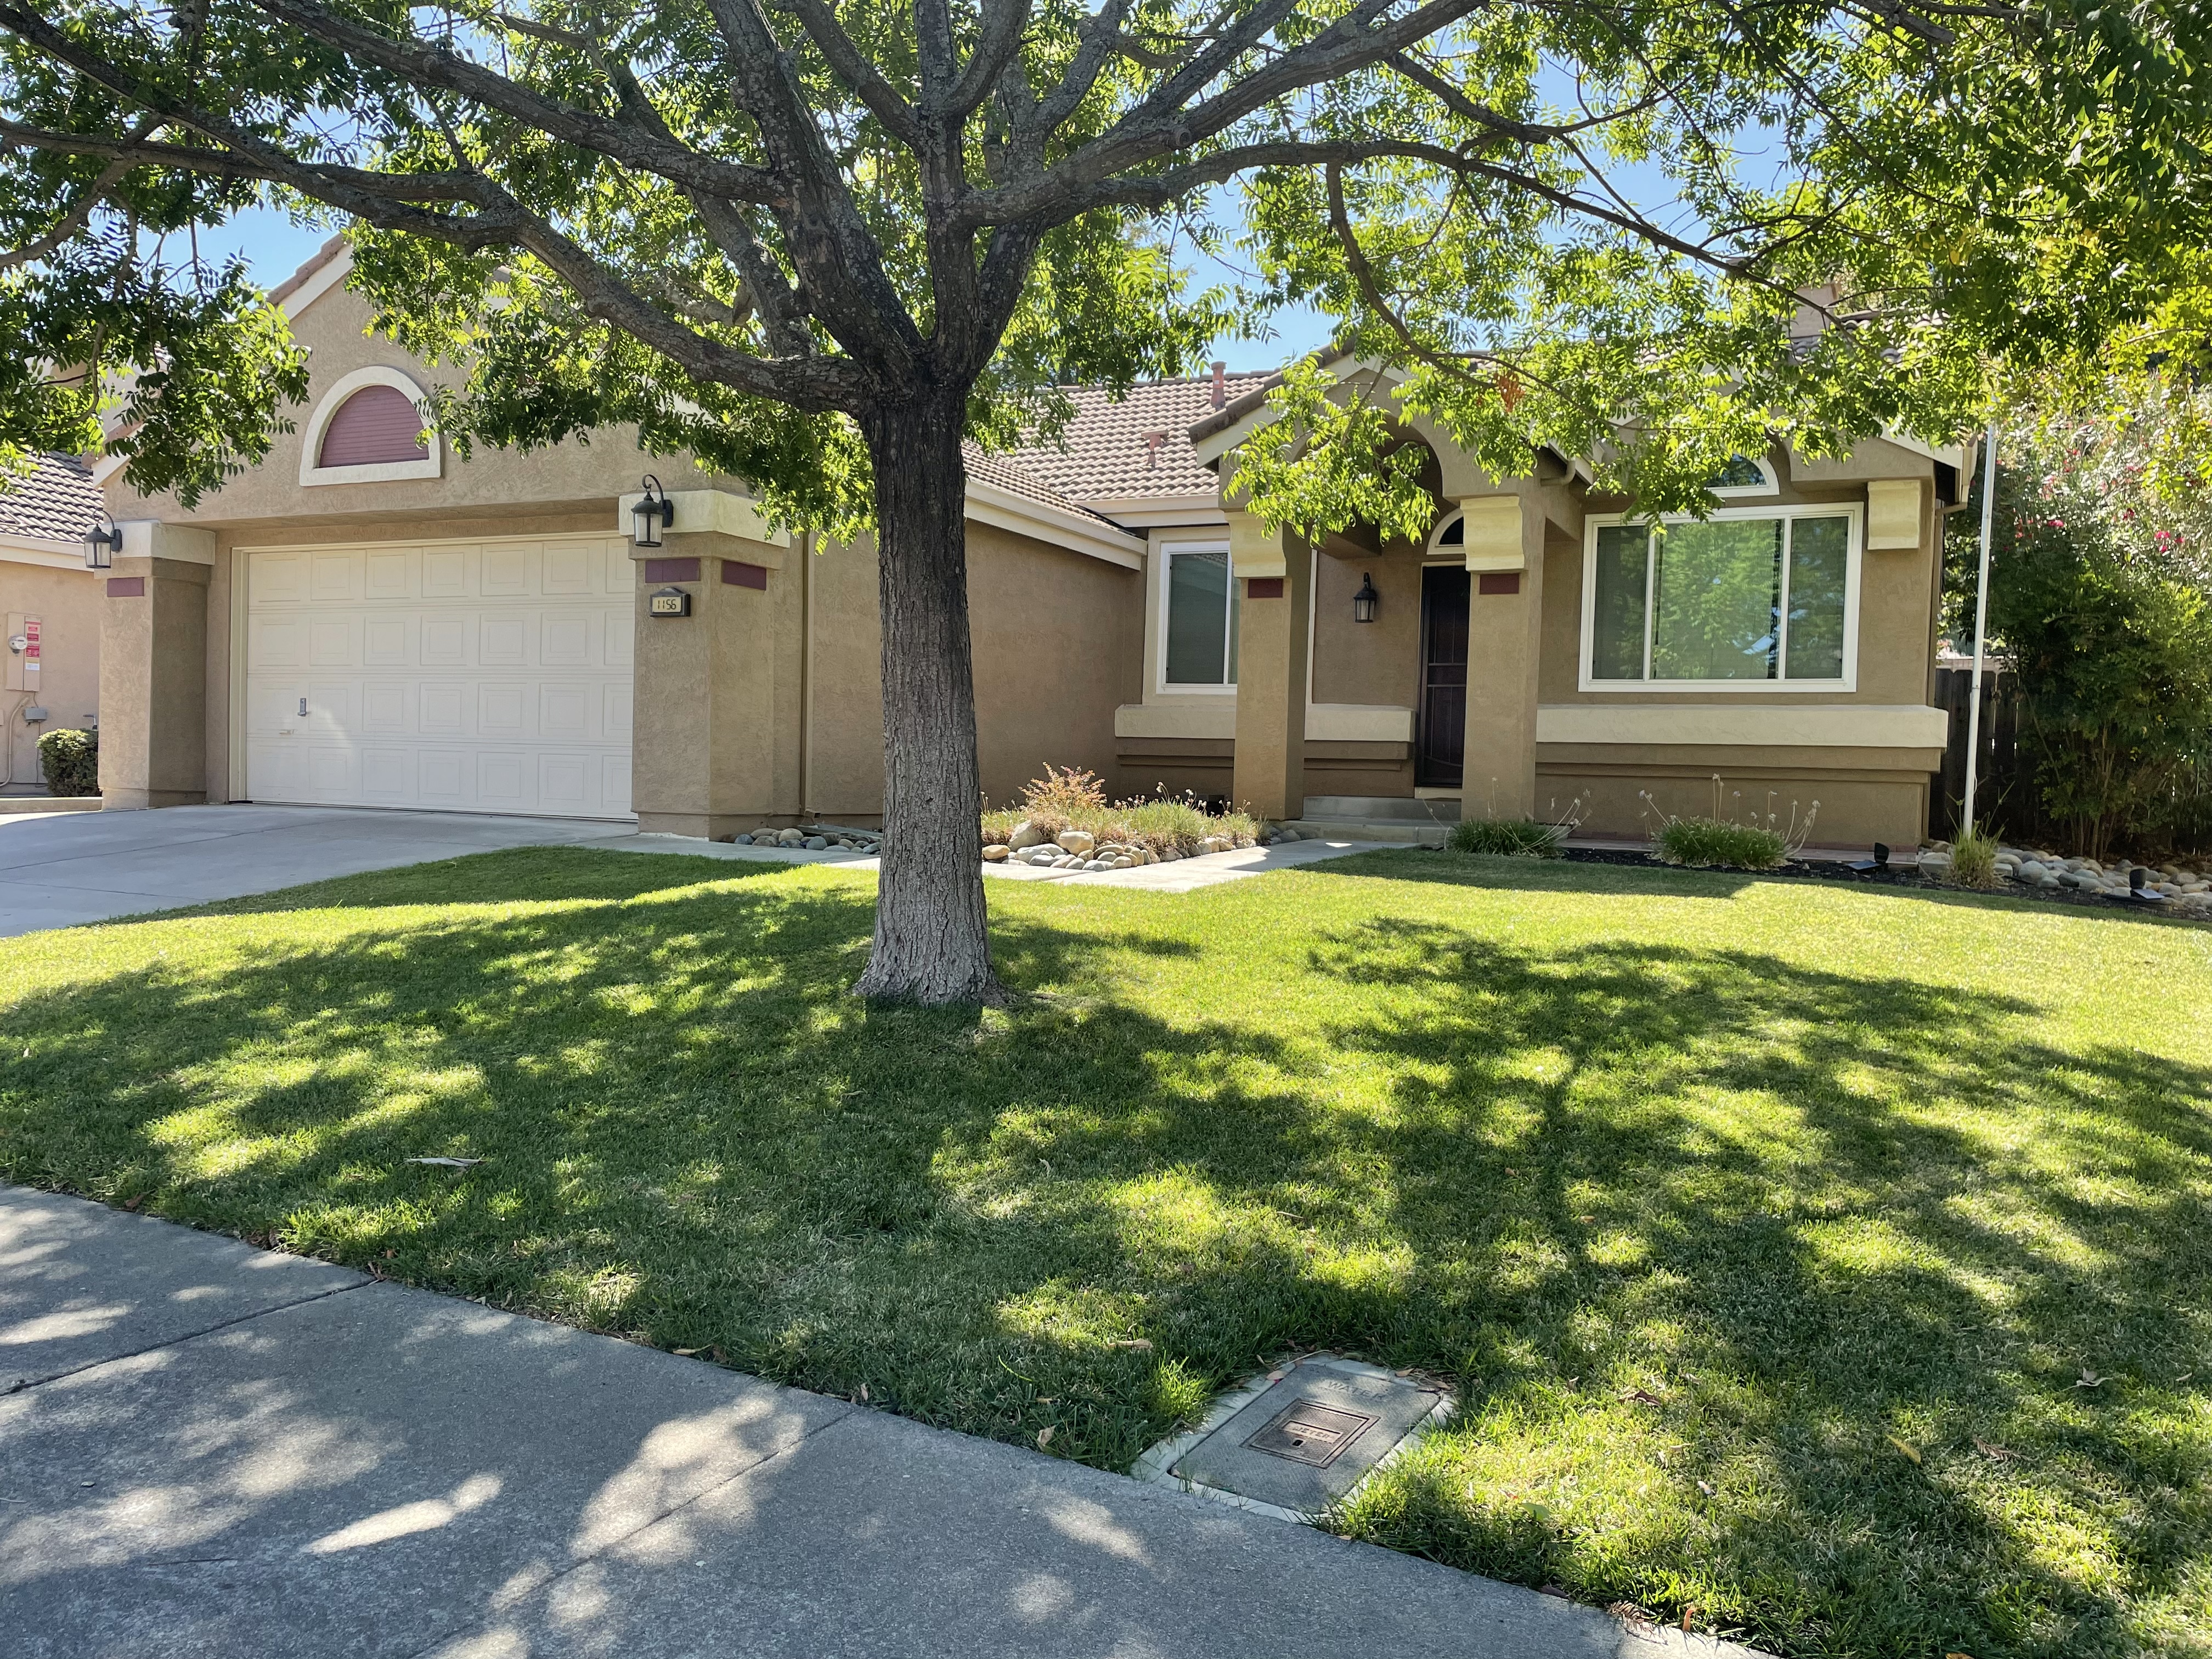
(932, 941)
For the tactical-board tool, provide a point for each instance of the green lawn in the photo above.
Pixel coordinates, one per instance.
(1714, 1195)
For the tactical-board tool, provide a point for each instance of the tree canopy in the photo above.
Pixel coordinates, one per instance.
(1587, 223)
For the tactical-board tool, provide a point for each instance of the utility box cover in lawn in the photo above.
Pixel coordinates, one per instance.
(1302, 1442)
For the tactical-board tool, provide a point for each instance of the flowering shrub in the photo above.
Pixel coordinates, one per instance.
(2101, 602)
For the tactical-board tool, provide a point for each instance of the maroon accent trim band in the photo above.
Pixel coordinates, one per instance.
(1263, 587)
(672, 570)
(735, 574)
(1500, 581)
(127, 587)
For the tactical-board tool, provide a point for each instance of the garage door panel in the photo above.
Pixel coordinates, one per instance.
(333, 641)
(276, 642)
(389, 575)
(499, 711)
(334, 576)
(509, 572)
(445, 573)
(386, 707)
(388, 776)
(564, 640)
(389, 641)
(503, 641)
(485, 676)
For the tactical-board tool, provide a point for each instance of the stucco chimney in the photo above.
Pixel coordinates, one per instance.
(1220, 386)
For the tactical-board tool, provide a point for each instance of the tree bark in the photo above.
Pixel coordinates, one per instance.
(933, 942)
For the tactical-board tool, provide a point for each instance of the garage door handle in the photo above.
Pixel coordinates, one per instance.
(303, 708)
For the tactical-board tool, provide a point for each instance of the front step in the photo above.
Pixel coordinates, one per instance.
(1438, 814)
(1396, 830)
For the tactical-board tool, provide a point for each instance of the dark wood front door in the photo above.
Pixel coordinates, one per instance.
(1443, 677)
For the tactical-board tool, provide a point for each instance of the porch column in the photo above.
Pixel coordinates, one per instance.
(153, 668)
(1275, 588)
(711, 708)
(1505, 612)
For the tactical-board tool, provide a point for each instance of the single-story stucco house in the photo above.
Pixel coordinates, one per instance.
(50, 607)
(367, 619)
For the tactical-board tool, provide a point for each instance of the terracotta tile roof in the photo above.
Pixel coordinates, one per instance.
(1107, 456)
(1003, 472)
(56, 502)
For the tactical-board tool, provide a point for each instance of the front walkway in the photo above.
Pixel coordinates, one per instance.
(207, 1449)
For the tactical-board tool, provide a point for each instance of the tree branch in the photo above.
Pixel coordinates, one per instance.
(846, 62)
(432, 65)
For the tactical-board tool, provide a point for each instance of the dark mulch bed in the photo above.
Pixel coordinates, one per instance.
(1892, 875)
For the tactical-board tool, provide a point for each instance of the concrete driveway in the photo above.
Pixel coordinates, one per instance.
(60, 869)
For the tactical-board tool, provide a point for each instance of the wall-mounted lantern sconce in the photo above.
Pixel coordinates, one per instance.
(653, 513)
(1364, 601)
(101, 544)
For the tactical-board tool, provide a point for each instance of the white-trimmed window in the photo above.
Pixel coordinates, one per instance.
(1753, 599)
(1744, 475)
(1197, 618)
(360, 431)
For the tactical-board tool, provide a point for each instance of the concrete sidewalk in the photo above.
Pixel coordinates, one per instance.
(211, 1450)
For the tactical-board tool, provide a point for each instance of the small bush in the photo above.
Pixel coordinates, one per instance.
(1523, 838)
(1715, 843)
(70, 761)
(1974, 861)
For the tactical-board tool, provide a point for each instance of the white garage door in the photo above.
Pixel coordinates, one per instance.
(480, 676)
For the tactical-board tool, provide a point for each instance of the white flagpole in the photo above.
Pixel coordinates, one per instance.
(1981, 628)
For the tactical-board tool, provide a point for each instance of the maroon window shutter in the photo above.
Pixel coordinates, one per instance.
(378, 423)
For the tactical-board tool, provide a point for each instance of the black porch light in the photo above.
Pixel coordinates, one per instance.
(653, 514)
(101, 544)
(1364, 601)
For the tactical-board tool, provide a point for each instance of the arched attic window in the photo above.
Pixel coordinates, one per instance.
(378, 424)
(1744, 475)
(368, 428)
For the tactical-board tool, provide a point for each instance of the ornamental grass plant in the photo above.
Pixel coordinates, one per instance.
(1525, 838)
(1076, 799)
(1974, 861)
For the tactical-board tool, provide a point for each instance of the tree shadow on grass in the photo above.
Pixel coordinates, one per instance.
(1799, 1212)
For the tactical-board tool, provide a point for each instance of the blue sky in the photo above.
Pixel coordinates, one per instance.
(275, 247)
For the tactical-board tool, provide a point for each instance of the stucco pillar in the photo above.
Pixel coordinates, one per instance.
(709, 728)
(1504, 637)
(1275, 590)
(154, 668)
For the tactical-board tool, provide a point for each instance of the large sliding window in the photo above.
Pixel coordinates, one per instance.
(1748, 597)
(1198, 633)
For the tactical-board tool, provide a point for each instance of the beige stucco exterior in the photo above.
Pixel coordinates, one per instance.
(762, 704)
(65, 598)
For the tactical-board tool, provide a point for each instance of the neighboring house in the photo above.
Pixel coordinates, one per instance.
(51, 606)
(367, 619)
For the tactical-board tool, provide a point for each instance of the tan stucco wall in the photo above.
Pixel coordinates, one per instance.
(719, 702)
(153, 688)
(67, 604)
(1865, 795)
(1058, 644)
(573, 474)
(1377, 662)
